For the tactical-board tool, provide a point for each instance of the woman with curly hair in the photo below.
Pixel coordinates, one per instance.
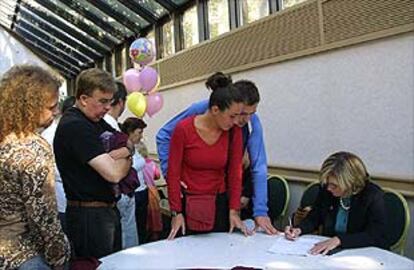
(31, 236)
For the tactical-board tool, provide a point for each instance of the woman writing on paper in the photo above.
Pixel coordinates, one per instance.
(349, 207)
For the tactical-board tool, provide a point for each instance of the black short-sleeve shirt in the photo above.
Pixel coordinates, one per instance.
(76, 143)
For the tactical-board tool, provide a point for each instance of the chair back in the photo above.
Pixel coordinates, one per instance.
(278, 196)
(305, 206)
(310, 194)
(398, 219)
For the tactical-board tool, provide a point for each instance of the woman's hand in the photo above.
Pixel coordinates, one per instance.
(235, 222)
(177, 222)
(325, 246)
(292, 233)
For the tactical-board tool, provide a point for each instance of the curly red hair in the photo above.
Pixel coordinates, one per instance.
(24, 92)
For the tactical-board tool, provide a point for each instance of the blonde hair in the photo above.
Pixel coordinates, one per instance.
(142, 149)
(24, 92)
(349, 171)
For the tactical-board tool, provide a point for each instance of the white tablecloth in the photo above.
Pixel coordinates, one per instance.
(224, 251)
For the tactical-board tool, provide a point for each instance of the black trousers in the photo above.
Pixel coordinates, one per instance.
(94, 231)
(141, 212)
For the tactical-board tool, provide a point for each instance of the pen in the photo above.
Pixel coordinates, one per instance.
(291, 228)
(290, 222)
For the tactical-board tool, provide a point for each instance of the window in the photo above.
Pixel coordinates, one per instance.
(252, 10)
(218, 17)
(168, 39)
(118, 62)
(108, 63)
(190, 27)
(289, 3)
(151, 37)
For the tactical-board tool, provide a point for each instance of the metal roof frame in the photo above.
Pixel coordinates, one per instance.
(94, 18)
(170, 6)
(90, 42)
(141, 11)
(48, 28)
(72, 35)
(105, 8)
(102, 36)
(45, 55)
(59, 57)
(84, 59)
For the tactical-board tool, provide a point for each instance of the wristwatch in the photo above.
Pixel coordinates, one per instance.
(175, 213)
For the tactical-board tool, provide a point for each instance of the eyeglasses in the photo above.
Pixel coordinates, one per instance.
(102, 101)
(105, 101)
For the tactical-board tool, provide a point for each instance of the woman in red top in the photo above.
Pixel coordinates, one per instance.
(200, 161)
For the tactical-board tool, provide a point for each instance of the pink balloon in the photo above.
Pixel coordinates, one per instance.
(131, 80)
(148, 78)
(154, 103)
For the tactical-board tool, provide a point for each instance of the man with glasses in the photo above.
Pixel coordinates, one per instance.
(87, 171)
(253, 143)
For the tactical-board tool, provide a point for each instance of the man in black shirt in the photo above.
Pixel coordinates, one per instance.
(87, 171)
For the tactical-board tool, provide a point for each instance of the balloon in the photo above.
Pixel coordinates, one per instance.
(154, 104)
(148, 78)
(136, 103)
(155, 89)
(142, 51)
(131, 80)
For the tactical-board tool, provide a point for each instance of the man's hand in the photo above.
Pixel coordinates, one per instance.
(325, 246)
(235, 222)
(265, 223)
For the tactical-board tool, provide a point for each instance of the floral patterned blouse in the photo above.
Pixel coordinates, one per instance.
(29, 224)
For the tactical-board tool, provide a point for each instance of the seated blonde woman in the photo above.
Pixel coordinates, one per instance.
(349, 207)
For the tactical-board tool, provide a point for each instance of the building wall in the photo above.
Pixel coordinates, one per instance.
(359, 98)
(12, 52)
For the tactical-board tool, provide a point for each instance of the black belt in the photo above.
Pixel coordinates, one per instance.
(95, 204)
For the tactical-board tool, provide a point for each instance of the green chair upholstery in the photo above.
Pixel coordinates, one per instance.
(398, 219)
(310, 194)
(308, 199)
(278, 197)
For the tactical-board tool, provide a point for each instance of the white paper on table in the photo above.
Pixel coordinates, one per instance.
(298, 247)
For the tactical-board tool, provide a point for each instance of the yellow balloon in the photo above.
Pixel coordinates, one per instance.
(137, 103)
(155, 88)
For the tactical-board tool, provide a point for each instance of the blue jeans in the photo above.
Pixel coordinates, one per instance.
(35, 263)
(126, 207)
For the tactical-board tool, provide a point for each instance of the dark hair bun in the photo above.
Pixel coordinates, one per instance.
(218, 80)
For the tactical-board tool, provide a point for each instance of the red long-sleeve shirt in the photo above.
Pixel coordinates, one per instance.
(201, 166)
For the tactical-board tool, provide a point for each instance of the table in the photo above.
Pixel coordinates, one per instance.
(224, 251)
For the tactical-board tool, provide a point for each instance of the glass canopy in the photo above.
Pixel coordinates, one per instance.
(72, 35)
